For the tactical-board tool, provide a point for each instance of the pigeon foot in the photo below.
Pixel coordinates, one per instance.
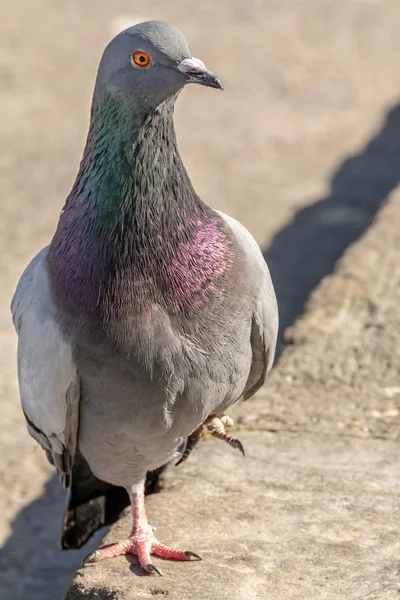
(143, 546)
(141, 541)
(216, 426)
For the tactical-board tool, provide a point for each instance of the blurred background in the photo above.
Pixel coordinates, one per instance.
(303, 147)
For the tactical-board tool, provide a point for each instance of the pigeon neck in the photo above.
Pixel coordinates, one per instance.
(131, 164)
(133, 232)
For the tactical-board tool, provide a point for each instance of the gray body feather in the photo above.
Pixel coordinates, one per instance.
(138, 398)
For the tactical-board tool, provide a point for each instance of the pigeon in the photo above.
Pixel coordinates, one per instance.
(149, 314)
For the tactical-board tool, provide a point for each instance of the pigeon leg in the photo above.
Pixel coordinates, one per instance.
(141, 541)
(216, 425)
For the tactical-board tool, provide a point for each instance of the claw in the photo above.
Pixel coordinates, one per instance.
(153, 569)
(235, 443)
(89, 559)
(193, 555)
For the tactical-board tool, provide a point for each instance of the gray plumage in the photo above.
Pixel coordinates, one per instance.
(117, 363)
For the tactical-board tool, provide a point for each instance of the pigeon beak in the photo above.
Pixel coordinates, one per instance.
(196, 72)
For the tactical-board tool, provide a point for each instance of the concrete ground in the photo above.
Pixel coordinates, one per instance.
(303, 147)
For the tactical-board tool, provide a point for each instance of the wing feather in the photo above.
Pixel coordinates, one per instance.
(48, 380)
(264, 328)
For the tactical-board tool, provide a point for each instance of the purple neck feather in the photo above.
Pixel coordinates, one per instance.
(133, 232)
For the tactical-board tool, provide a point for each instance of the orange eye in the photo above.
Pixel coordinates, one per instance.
(141, 59)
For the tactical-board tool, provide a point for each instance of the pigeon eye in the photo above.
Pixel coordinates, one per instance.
(141, 59)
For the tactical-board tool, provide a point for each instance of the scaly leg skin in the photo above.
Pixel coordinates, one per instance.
(215, 425)
(141, 541)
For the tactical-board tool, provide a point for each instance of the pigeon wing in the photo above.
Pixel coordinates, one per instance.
(48, 381)
(264, 328)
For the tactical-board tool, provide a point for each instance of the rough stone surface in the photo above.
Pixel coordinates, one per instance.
(340, 371)
(303, 516)
(303, 147)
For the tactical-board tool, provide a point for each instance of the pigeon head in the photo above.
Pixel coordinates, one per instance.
(132, 201)
(148, 63)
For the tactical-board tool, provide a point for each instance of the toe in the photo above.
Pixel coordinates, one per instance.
(164, 551)
(124, 547)
(143, 549)
(227, 421)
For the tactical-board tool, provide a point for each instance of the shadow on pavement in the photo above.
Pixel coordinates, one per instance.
(48, 572)
(306, 250)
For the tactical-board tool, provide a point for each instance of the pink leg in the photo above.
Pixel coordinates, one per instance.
(141, 541)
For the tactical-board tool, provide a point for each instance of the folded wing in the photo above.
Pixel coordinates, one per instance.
(48, 381)
(264, 329)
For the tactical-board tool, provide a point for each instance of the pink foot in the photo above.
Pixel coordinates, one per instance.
(141, 542)
(216, 425)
